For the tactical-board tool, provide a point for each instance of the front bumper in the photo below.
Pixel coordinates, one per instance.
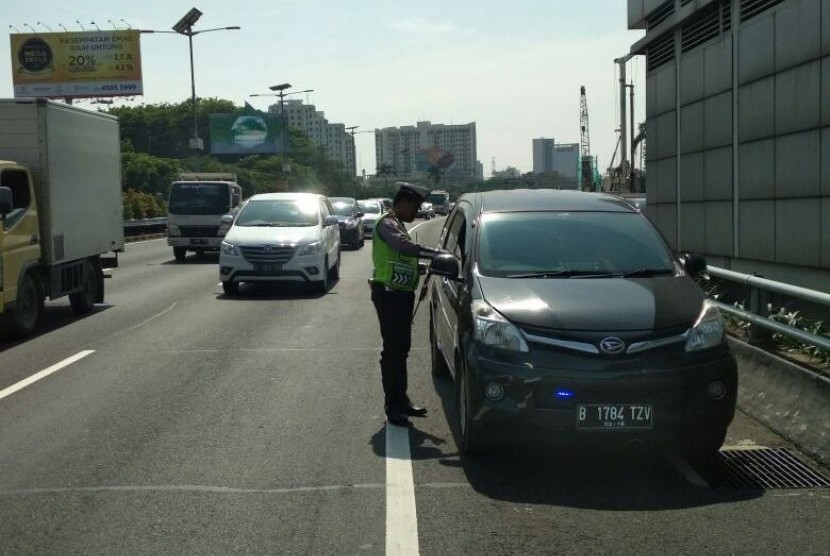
(549, 397)
(211, 243)
(350, 235)
(308, 268)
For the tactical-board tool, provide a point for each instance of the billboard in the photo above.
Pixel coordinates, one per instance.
(76, 64)
(433, 158)
(246, 132)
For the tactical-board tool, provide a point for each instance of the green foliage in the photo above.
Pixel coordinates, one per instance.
(140, 204)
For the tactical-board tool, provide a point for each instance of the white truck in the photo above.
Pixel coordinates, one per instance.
(195, 209)
(60, 207)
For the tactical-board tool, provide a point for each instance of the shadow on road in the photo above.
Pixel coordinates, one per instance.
(53, 318)
(276, 291)
(193, 258)
(529, 469)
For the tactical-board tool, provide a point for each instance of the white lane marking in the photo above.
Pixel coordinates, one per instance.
(401, 519)
(44, 373)
(682, 466)
(417, 226)
(144, 241)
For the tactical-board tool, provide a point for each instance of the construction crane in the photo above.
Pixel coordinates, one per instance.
(586, 162)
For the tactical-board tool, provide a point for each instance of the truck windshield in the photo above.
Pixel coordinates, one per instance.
(438, 198)
(200, 198)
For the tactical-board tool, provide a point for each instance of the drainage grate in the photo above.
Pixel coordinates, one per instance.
(761, 468)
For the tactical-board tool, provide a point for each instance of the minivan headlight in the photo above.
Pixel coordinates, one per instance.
(492, 329)
(311, 249)
(708, 331)
(229, 249)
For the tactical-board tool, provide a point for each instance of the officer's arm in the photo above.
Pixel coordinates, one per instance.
(390, 232)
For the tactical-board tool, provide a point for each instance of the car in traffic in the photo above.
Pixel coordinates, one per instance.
(426, 211)
(279, 237)
(350, 221)
(567, 311)
(386, 202)
(372, 210)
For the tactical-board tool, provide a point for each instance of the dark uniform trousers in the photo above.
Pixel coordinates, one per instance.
(394, 310)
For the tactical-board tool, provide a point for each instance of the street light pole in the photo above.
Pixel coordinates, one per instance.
(195, 143)
(281, 93)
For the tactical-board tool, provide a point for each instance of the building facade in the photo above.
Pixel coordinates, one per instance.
(411, 150)
(543, 149)
(332, 138)
(738, 127)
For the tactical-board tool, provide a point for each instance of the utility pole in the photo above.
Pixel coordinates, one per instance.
(624, 139)
(586, 163)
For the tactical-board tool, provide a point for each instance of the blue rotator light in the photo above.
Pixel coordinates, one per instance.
(564, 394)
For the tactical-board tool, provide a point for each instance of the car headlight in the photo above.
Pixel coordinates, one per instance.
(708, 330)
(173, 230)
(311, 249)
(229, 249)
(492, 329)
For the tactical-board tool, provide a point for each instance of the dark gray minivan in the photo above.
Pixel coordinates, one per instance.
(568, 312)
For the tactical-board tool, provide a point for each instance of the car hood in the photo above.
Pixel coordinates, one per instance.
(345, 218)
(596, 304)
(262, 235)
(370, 217)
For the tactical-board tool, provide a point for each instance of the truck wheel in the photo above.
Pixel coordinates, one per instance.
(180, 253)
(26, 315)
(83, 302)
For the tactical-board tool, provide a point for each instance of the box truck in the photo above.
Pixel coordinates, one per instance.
(195, 209)
(60, 207)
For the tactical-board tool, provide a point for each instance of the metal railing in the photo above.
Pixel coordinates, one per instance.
(145, 226)
(757, 312)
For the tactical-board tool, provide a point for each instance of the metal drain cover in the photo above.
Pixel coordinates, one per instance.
(760, 468)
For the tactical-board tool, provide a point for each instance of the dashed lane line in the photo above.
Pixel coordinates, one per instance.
(44, 373)
(401, 518)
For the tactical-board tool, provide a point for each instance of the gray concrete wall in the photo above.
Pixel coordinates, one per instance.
(738, 162)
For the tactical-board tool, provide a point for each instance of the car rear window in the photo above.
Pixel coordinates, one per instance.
(512, 244)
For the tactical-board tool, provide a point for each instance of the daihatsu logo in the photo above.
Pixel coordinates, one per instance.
(612, 345)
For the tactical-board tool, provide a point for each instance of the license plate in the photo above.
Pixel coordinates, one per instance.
(198, 241)
(268, 267)
(614, 416)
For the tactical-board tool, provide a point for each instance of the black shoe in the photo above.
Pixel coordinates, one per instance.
(415, 411)
(397, 417)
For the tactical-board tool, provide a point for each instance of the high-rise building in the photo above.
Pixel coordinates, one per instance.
(543, 155)
(412, 151)
(566, 160)
(332, 138)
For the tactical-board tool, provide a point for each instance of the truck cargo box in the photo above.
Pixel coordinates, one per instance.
(74, 157)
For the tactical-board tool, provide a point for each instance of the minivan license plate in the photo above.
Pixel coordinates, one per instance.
(268, 267)
(614, 416)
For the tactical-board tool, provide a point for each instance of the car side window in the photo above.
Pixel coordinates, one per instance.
(455, 240)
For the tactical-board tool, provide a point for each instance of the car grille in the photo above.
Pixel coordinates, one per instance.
(268, 254)
(199, 231)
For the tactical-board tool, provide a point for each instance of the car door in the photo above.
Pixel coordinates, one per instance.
(446, 292)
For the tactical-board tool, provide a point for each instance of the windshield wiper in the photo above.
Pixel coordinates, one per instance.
(562, 274)
(647, 272)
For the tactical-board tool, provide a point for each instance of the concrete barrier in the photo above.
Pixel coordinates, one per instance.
(789, 399)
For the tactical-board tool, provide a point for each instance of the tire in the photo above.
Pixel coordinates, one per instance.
(703, 442)
(83, 302)
(335, 271)
(471, 441)
(439, 366)
(180, 253)
(26, 315)
(322, 286)
(230, 288)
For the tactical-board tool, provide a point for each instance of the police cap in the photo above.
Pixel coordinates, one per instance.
(410, 189)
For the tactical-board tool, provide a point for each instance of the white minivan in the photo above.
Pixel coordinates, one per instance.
(281, 237)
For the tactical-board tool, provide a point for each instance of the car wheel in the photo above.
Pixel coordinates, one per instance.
(230, 288)
(322, 286)
(335, 271)
(439, 366)
(472, 440)
(703, 442)
(83, 302)
(26, 315)
(180, 253)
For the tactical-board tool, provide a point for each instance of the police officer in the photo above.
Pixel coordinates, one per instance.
(393, 283)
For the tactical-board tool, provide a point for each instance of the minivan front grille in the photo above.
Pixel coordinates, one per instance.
(268, 254)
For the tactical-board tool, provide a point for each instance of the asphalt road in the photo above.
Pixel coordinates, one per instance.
(195, 423)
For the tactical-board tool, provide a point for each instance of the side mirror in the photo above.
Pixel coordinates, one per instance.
(225, 224)
(360, 215)
(446, 265)
(6, 201)
(695, 265)
(235, 199)
(331, 221)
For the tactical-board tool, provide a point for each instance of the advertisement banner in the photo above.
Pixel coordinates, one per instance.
(433, 158)
(246, 132)
(76, 64)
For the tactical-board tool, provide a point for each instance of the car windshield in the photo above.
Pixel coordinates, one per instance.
(279, 212)
(200, 198)
(369, 207)
(343, 209)
(571, 244)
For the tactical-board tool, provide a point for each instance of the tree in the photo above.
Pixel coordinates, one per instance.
(386, 170)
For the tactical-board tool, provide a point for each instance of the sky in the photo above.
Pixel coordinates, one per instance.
(514, 67)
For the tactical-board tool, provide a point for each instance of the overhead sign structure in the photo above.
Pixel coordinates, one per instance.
(76, 64)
